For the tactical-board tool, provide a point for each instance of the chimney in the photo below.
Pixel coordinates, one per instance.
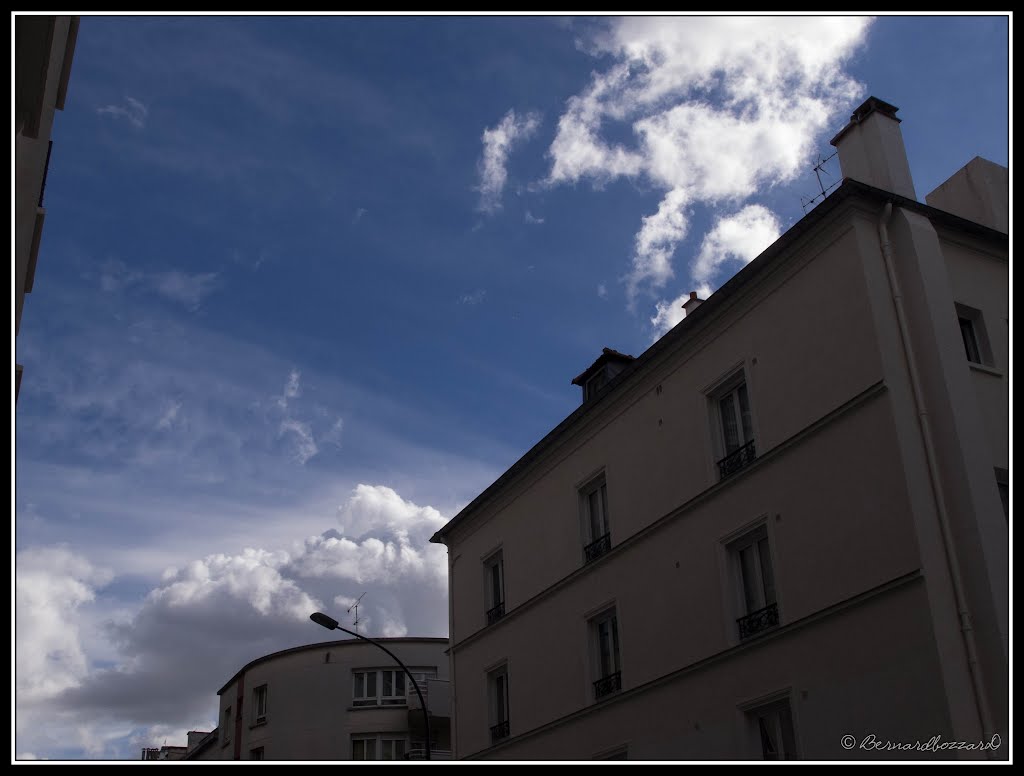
(692, 303)
(979, 192)
(871, 149)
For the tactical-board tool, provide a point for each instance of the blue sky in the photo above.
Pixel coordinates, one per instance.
(308, 285)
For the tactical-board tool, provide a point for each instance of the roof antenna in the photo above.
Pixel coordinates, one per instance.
(819, 168)
(355, 622)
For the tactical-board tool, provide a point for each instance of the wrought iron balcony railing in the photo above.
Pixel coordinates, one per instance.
(495, 613)
(759, 621)
(737, 459)
(607, 685)
(499, 731)
(597, 548)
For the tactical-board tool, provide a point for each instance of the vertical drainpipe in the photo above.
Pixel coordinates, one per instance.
(452, 724)
(238, 717)
(948, 544)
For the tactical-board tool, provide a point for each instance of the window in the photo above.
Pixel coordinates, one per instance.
(752, 561)
(227, 726)
(385, 687)
(774, 730)
(497, 684)
(597, 538)
(494, 587)
(379, 747)
(604, 634)
(974, 336)
(735, 429)
(259, 704)
(256, 754)
(1003, 483)
(595, 384)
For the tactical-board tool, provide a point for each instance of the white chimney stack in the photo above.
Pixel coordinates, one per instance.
(871, 149)
(692, 303)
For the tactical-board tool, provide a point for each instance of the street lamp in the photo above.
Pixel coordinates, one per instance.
(331, 624)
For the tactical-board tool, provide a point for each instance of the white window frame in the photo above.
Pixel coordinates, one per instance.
(494, 563)
(364, 699)
(498, 706)
(258, 699)
(974, 335)
(773, 728)
(605, 626)
(599, 485)
(738, 390)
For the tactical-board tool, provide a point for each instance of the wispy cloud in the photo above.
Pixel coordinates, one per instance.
(169, 415)
(304, 445)
(132, 111)
(498, 143)
(474, 297)
(358, 215)
(189, 290)
(532, 219)
(719, 107)
(602, 291)
(183, 288)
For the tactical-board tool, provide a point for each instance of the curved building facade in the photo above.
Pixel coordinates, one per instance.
(336, 700)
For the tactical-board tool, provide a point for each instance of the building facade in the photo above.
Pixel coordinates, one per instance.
(782, 531)
(338, 700)
(44, 48)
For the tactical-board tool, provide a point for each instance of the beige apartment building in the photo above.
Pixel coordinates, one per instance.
(782, 531)
(44, 47)
(337, 700)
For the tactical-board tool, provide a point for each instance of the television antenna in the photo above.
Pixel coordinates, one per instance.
(355, 622)
(819, 168)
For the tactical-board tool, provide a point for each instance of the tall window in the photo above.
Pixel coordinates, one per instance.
(497, 683)
(259, 704)
(774, 723)
(604, 630)
(596, 531)
(256, 754)
(383, 687)
(494, 587)
(752, 560)
(735, 427)
(228, 726)
(973, 334)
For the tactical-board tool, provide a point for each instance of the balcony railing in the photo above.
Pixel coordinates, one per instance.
(499, 731)
(495, 613)
(737, 459)
(596, 549)
(607, 685)
(759, 621)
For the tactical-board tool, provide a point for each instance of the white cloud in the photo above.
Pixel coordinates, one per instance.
(718, 107)
(498, 143)
(668, 314)
(303, 444)
(189, 290)
(656, 242)
(206, 619)
(133, 111)
(358, 215)
(602, 291)
(742, 236)
(51, 584)
(532, 219)
(169, 415)
(292, 389)
(475, 297)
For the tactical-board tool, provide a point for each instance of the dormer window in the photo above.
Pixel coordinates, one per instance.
(601, 372)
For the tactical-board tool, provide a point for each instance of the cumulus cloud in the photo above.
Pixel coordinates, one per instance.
(741, 237)
(498, 143)
(51, 584)
(718, 107)
(668, 314)
(207, 618)
(133, 111)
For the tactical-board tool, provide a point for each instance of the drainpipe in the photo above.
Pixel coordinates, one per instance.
(948, 544)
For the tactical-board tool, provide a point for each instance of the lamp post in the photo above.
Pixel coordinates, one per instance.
(331, 624)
